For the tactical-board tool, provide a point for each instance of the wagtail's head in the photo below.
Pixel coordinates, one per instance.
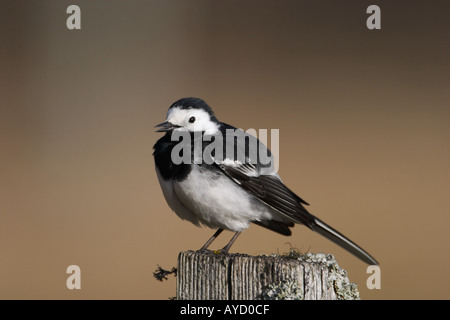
(190, 114)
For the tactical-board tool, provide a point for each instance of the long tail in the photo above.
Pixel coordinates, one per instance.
(332, 234)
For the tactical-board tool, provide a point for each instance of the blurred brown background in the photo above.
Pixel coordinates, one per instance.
(364, 135)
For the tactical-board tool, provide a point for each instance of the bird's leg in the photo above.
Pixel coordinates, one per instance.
(228, 246)
(215, 235)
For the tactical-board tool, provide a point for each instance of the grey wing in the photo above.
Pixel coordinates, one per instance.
(270, 190)
(251, 166)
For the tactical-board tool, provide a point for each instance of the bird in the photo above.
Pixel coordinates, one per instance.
(228, 192)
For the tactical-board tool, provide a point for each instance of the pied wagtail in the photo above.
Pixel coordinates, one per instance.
(228, 193)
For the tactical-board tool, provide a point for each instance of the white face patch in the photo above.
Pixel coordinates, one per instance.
(193, 120)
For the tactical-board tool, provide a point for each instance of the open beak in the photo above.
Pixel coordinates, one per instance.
(166, 126)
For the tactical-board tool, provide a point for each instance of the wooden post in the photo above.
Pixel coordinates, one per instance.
(210, 276)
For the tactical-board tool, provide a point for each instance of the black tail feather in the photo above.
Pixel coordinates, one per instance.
(277, 226)
(332, 234)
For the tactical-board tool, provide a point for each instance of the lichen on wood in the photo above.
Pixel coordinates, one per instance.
(208, 275)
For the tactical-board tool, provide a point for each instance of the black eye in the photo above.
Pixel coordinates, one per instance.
(191, 119)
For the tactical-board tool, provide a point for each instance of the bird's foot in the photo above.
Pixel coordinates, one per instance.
(202, 250)
(216, 252)
(222, 251)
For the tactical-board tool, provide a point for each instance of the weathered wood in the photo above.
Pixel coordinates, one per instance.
(210, 276)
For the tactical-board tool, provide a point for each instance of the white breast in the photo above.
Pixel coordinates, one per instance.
(217, 201)
(181, 210)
